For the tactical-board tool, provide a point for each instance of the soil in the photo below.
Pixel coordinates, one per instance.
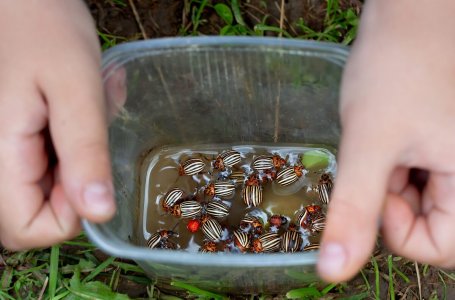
(171, 18)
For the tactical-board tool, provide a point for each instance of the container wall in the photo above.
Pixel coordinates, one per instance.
(233, 91)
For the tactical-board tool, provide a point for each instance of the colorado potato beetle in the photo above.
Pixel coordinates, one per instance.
(289, 175)
(171, 198)
(160, 239)
(241, 240)
(253, 179)
(227, 159)
(291, 241)
(252, 195)
(308, 214)
(278, 162)
(311, 247)
(208, 247)
(324, 188)
(238, 177)
(277, 220)
(186, 209)
(247, 221)
(212, 229)
(267, 242)
(222, 189)
(191, 167)
(217, 209)
(318, 224)
(262, 163)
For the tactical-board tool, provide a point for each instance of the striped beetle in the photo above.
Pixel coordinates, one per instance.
(318, 224)
(191, 167)
(186, 209)
(160, 239)
(212, 229)
(324, 188)
(262, 163)
(252, 195)
(289, 175)
(238, 177)
(247, 221)
(171, 198)
(217, 209)
(308, 214)
(291, 241)
(208, 247)
(267, 242)
(241, 240)
(227, 159)
(311, 247)
(222, 189)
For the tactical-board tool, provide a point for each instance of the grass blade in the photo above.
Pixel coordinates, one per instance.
(99, 269)
(195, 290)
(4, 295)
(53, 270)
(328, 288)
(305, 292)
(391, 287)
(401, 274)
(376, 277)
(443, 285)
(237, 14)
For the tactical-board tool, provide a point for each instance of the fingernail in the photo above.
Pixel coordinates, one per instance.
(332, 259)
(98, 197)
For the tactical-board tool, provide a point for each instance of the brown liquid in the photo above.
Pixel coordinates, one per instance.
(160, 174)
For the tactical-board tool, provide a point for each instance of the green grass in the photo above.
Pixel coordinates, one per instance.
(76, 270)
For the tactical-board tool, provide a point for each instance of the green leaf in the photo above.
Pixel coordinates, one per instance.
(99, 269)
(302, 293)
(7, 277)
(53, 270)
(98, 291)
(237, 14)
(224, 12)
(328, 288)
(304, 277)
(195, 290)
(360, 296)
(315, 159)
(126, 267)
(262, 27)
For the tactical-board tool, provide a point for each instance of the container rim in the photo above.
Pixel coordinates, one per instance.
(105, 239)
(120, 54)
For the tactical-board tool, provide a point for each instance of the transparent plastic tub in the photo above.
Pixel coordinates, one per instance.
(214, 90)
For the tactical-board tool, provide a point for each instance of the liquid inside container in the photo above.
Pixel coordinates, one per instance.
(160, 174)
(187, 92)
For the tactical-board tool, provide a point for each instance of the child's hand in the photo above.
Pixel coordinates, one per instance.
(398, 112)
(50, 79)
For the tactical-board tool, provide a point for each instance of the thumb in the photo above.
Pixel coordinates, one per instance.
(356, 203)
(78, 126)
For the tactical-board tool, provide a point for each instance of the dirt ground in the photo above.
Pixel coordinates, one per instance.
(170, 18)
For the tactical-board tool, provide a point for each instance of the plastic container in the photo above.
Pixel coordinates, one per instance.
(212, 90)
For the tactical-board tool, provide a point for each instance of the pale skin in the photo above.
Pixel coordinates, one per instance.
(397, 110)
